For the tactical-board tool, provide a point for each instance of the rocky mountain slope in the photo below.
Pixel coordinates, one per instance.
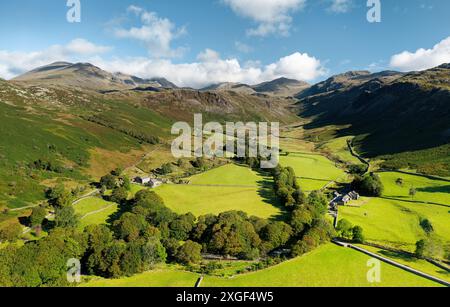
(281, 87)
(390, 113)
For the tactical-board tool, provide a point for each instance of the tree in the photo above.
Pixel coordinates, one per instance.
(153, 252)
(148, 199)
(357, 169)
(318, 201)
(399, 182)
(171, 245)
(11, 231)
(130, 226)
(66, 217)
(233, 234)
(420, 248)
(301, 219)
(189, 253)
(358, 236)
(275, 235)
(199, 163)
(37, 216)
(412, 192)
(181, 227)
(117, 172)
(108, 181)
(119, 195)
(59, 196)
(126, 183)
(426, 225)
(345, 229)
(166, 169)
(369, 185)
(430, 247)
(131, 260)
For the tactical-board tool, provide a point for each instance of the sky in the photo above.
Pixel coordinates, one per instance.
(199, 42)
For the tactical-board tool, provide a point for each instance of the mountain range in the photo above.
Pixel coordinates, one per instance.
(88, 76)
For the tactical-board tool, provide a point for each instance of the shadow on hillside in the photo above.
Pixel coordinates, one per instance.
(266, 191)
(438, 189)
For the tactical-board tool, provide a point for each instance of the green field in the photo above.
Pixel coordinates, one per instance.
(328, 266)
(394, 220)
(314, 171)
(230, 174)
(339, 148)
(94, 211)
(412, 262)
(397, 223)
(229, 187)
(166, 277)
(428, 190)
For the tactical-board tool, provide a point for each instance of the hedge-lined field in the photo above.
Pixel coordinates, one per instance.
(328, 266)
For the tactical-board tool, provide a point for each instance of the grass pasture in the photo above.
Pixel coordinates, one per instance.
(313, 170)
(339, 148)
(165, 277)
(230, 187)
(397, 223)
(418, 264)
(327, 266)
(394, 219)
(94, 211)
(430, 191)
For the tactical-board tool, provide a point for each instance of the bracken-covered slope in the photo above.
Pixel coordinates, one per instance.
(390, 115)
(55, 129)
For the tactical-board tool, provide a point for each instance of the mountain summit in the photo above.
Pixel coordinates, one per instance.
(87, 76)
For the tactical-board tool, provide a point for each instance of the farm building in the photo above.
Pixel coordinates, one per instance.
(147, 181)
(343, 200)
(348, 198)
(143, 180)
(154, 183)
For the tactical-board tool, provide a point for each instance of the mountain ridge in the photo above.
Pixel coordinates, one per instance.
(87, 76)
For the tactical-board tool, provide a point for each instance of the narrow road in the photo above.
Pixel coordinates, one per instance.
(85, 196)
(392, 262)
(353, 153)
(95, 212)
(222, 186)
(73, 203)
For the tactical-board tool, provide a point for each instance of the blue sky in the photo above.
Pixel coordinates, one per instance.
(202, 41)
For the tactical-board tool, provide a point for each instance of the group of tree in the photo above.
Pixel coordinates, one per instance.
(147, 233)
(432, 247)
(287, 187)
(119, 183)
(346, 230)
(368, 185)
(47, 165)
(357, 169)
(61, 200)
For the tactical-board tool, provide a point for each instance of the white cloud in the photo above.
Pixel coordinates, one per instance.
(208, 68)
(242, 47)
(340, 6)
(271, 16)
(211, 68)
(155, 32)
(422, 58)
(82, 46)
(17, 62)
